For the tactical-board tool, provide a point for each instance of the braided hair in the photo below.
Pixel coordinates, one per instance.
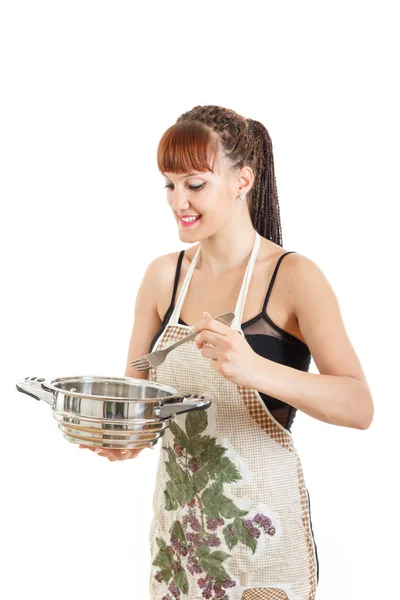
(205, 132)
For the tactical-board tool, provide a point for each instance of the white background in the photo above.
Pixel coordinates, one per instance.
(88, 88)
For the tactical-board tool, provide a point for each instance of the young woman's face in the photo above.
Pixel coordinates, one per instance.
(210, 197)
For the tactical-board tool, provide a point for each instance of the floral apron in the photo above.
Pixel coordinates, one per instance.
(231, 509)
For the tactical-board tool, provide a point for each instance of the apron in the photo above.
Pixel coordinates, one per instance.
(231, 514)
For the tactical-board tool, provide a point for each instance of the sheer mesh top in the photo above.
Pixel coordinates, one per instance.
(266, 339)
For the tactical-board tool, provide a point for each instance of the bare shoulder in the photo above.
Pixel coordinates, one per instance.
(163, 270)
(318, 313)
(295, 261)
(165, 265)
(304, 278)
(305, 285)
(147, 319)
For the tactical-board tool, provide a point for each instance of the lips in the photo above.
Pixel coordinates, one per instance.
(189, 223)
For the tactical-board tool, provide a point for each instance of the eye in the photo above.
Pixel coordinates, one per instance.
(192, 187)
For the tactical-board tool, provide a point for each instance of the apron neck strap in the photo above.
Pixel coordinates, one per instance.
(236, 323)
(177, 310)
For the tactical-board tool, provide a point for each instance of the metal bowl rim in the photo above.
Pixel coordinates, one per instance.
(153, 384)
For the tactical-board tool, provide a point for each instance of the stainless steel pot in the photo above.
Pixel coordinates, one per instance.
(111, 412)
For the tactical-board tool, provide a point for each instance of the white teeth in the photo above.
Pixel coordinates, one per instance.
(188, 219)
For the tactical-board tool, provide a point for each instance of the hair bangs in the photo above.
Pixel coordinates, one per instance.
(187, 146)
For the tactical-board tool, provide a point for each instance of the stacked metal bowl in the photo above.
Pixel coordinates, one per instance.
(111, 412)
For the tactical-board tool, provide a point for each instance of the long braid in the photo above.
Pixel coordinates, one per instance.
(243, 142)
(266, 217)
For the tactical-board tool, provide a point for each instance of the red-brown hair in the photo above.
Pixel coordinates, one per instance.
(204, 135)
(187, 146)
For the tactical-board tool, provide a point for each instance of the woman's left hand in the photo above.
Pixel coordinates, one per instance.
(231, 354)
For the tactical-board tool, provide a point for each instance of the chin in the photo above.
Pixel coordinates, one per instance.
(189, 238)
(188, 231)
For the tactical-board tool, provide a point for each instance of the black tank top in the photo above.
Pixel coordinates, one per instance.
(266, 339)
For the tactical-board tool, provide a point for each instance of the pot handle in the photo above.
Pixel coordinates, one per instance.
(170, 408)
(33, 387)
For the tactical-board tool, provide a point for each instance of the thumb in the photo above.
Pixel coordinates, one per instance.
(206, 315)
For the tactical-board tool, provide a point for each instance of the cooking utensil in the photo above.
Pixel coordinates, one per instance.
(111, 412)
(154, 359)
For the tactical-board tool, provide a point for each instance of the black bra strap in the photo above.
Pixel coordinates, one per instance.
(273, 278)
(177, 273)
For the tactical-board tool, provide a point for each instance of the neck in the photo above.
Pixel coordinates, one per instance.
(228, 249)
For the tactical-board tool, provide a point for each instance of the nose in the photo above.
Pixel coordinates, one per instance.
(178, 200)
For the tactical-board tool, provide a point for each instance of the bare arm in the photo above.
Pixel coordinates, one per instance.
(340, 394)
(146, 320)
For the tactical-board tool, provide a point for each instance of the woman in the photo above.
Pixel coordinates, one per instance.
(231, 509)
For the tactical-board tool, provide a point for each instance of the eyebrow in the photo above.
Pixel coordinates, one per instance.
(190, 174)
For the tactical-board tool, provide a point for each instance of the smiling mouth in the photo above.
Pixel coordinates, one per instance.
(189, 223)
(190, 219)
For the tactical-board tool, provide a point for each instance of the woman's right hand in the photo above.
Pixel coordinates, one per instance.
(115, 454)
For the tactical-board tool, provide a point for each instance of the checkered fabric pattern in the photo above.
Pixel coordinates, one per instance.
(256, 409)
(272, 482)
(264, 594)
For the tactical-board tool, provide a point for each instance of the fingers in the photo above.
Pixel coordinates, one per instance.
(207, 337)
(114, 454)
(211, 325)
(126, 454)
(106, 452)
(87, 447)
(111, 454)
